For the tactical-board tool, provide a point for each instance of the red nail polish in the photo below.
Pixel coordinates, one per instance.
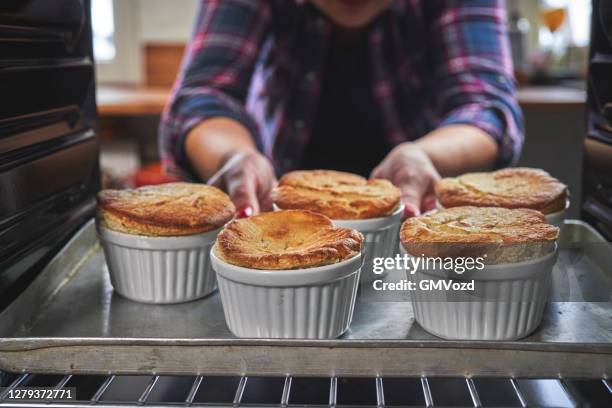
(411, 211)
(244, 212)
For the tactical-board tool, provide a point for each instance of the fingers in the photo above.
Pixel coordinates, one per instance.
(244, 212)
(378, 172)
(412, 185)
(242, 191)
(266, 203)
(410, 193)
(249, 179)
(429, 202)
(266, 184)
(411, 170)
(411, 200)
(219, 178)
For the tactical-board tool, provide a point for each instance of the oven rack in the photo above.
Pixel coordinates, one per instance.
(164, 391)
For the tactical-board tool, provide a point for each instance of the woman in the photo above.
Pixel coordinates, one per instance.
(406, 90)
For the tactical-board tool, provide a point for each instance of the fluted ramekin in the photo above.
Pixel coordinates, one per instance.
(381, 237)
(159, 269)
(507, 303)
(558, 217)
(310, 303)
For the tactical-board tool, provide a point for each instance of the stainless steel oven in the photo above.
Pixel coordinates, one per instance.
(597, 175)
(48, 146)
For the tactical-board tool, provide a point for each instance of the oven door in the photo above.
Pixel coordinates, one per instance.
(48, 147)
(597, 175)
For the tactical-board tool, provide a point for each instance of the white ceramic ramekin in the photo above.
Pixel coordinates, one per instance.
(312, 303)
(159, 269)
(507, 303)
(381, 238)
(558, 217)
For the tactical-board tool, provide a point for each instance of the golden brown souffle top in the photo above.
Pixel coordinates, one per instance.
(172, 209)
(338, 195)
(292, 239)
(504, 235)
(509, 188)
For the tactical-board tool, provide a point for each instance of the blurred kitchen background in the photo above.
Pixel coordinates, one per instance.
(139, 44)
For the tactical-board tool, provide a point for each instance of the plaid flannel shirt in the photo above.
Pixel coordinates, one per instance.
(260, 62)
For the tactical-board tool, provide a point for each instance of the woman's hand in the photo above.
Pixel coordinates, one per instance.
(222, 151)
(248, 178)
(411, 170)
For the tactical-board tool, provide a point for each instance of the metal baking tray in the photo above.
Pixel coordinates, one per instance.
(71, 321)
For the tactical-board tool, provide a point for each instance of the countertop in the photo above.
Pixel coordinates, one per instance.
(116, 100)
(551, 97)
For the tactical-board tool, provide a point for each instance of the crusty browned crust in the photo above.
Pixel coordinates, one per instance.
(291, 239)
(509, 188)
(338, 195)
(504, 235)
(172, 209)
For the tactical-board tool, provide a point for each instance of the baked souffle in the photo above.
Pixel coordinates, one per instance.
(292, 239)
(509, 188)
(338, 195)
(173, 209)
(501, 235)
